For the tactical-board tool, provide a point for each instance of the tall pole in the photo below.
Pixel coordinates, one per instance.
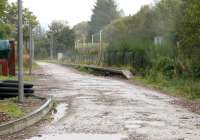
(92, 40)
(30, 49)
(100, 46)
(20, 52)
(33, 50)
(51, 49)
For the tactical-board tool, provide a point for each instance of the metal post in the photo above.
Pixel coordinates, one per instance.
(20, 53)
(100, 46)
(33, 50)
(30, 49)
(100, 39)
(83, 41)
(78, 44)
(92, 40)
(74, 44)
(51, 49)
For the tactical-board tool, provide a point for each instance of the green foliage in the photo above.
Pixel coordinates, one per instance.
(189, 36)
(2, 7)
(104, 12)
(8, 20)
(182, 87)
(63, 37)
(10, 107)
(81, 30)
(173, 67)
(6, 31)
(166, 66)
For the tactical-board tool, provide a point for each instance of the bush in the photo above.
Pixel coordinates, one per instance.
(166, 66)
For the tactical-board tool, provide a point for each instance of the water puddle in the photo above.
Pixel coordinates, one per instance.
(80, 137)
(59, 112)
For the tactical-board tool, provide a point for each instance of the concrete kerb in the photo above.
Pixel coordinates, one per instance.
(126, 73)
(30, 119)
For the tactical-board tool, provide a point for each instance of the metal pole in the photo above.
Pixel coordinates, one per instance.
(33, 50)
(20, 52)
(100, 47)
(30, 49)
(92, 40)
(51, 47)
(74, 44)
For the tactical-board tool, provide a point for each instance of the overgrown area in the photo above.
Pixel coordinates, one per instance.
(160, 44)
(173, 62)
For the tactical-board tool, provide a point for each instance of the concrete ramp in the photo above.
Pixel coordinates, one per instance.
(127, 74)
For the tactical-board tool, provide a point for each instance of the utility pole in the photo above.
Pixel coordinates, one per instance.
(20, 53)
(100, 46)
(75, 44)
(51, 47)
(33, 50)
(92, 40)
(30, 49)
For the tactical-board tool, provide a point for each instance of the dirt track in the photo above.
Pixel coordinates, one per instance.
(98, 108)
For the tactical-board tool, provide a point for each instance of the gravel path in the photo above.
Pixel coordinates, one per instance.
(98, 108)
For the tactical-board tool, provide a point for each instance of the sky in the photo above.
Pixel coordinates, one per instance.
(74, 11)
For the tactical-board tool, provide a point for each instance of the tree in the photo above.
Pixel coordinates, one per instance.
(104, 12)
(189, 35)
(63, 37)
(8, 27)
(81, 30)
(3, 4)
(41, 41)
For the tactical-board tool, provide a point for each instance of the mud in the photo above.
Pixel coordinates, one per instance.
(91, 107)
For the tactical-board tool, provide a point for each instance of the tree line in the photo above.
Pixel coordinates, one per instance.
(161, 42)
(174, 22)
(8, 20)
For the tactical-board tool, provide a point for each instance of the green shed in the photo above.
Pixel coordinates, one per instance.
(4, 49)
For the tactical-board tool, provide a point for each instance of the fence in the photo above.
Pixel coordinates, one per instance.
(135, 60)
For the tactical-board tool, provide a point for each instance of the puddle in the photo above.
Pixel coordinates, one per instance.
(59, 112)
(80, 137)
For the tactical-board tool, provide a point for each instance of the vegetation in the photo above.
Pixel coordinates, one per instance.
(8, 21)
(104, 12)
(59, 35)
(160, 44)
(10, 107)
(81, 31)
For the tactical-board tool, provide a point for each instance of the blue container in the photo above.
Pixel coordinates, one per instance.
(4, 49)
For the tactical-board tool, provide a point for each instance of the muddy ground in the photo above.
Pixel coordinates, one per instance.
(98, 108)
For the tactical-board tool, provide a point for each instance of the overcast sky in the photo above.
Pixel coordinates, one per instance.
(74, 11)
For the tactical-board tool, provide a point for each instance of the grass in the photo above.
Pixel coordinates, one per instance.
(86, 70)
(26, 76)
(178, 87)
(10, 107)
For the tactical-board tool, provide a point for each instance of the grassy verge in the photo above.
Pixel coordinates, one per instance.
(178, 87)
(185, 88)
(10, 107)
